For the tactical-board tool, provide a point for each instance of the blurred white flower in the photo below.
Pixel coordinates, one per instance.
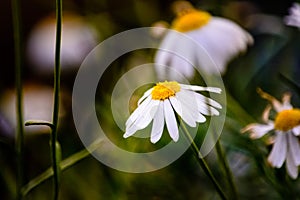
(286, 127)
(78, 39)
(222, 39)
(159, 102)
(37, 105)
(293, 19)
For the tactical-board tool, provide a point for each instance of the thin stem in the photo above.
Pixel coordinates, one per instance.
(16, 15)
(203, 163)
(222, 159)
(64, 164)
(54, 143)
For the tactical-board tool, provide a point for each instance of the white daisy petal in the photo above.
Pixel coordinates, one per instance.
(258, 130)
(206, 109)
(171, 121)
(200, 88)
(143, 120)
(291, 167)
(187, 117)
(296, 130)
(207, 100)
(145, 95)
(176, 105)
(279, 150)
(138, 111)
(158, 124)
(189, 114)
(294, 148)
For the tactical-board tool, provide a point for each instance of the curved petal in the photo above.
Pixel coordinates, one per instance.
(143, 120)
(206, 109)
(291, 167)
(201, 88)
(207, 100)
(279, 150)
(138, 111)
(258, 130)
(294, 148)
(190, 112)
(145, 95)
(158, 124)
(176, 105)
(171, 121)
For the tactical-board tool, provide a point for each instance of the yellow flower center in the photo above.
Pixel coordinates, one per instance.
(190, 20)
(164, 90)
(287, 119)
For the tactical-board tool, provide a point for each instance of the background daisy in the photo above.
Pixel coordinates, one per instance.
(286, 147)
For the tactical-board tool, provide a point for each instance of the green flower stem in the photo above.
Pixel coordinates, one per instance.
(16, 16)
(203, 163)
(228, 173)
(64, 164)
(54, 143)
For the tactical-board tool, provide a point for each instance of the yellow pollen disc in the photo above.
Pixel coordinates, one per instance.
(287, 119)
(190, 20)
(164, 90)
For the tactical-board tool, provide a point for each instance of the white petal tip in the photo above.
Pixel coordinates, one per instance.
(214, 89)
(154, 140)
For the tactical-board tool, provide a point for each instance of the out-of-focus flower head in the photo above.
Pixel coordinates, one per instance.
(159, 102)
(286, 127)
(222, 39)
(293, 19)
(78, 39)
(37, 105)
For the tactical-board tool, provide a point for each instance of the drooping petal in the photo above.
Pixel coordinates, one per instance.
(182, 62)
(279, 150)
(294, 147)
(138, 111)
(176, 105)
(143, 120)
(163, 55)
(296, 130)
(189, 106)
(145, 95)
(171, 121)
(206, 109)
(207, 100)
(258, 130)
(291, 167)
(158, 124)
(201, 88)
(183, 112)
(220, 31)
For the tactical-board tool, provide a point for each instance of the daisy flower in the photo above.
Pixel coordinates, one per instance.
(293, 19)
(161, 102)
(286, 127)
(221, 38)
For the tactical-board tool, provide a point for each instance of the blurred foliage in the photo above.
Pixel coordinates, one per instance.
(272, 63)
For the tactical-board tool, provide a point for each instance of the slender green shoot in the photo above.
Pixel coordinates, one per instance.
(203, 163)
(64, 164)
(16, 16)
(55, 147)
(228, 173)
